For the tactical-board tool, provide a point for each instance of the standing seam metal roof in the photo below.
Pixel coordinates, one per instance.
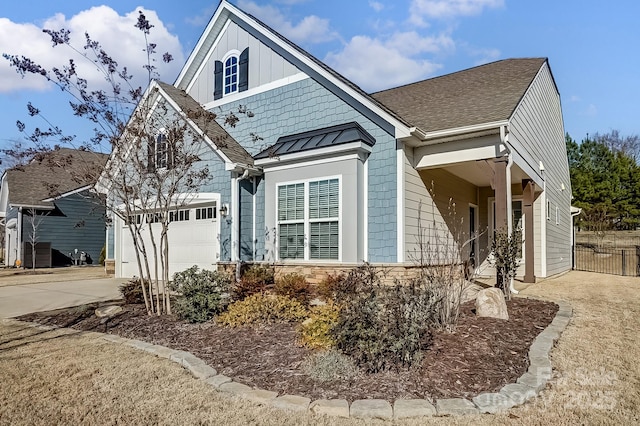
(320, 138)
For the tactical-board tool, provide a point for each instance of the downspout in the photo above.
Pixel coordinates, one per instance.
(244, 176)
(504, 138)
(19, 251)
(253, 238)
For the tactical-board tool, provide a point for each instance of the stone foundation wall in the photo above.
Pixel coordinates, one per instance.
(316, 272)
(110, 267)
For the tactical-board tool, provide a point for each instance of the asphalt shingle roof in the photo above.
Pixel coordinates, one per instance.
(51, 174)
(477, 95)
(206, 122)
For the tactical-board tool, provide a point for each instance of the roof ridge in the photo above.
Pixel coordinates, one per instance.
(458, 72)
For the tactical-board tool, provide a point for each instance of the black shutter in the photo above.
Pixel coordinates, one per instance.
(151, 151)
(243, 80)
(217, 80)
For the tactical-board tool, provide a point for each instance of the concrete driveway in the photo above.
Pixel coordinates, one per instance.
(16, 300)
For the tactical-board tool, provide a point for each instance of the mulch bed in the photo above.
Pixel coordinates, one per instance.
(481, 355)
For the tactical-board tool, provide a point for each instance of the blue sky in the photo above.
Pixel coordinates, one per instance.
(593, 46)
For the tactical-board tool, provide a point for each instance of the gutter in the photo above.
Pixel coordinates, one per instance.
(425, 136)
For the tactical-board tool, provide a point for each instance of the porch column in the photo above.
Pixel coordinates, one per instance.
(527, 210)
(500, 189)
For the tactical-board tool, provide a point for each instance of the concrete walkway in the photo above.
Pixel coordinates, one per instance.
(16, 300)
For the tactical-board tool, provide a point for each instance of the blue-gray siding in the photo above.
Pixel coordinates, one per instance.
(78, 222)
(307, 105)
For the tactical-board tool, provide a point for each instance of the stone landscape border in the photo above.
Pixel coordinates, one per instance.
(511, 395)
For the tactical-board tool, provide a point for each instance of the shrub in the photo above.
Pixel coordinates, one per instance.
(256, 279)
(131, 291)
(295, 286)
(329, 365)
(203, 294)
(263, 309)
(315, 331)
(328, 286)
(103, 255)
(383, 327)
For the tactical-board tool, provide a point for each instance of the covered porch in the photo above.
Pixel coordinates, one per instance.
(492, 187)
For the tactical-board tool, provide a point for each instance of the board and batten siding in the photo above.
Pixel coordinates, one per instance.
(537, 128)
(265, 65)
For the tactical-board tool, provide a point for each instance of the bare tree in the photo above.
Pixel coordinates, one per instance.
(34, 219)
(154, 166)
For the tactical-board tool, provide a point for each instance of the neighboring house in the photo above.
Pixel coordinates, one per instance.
(54, 193)
(324, 175)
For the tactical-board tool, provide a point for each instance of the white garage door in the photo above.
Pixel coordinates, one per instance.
(193, 240)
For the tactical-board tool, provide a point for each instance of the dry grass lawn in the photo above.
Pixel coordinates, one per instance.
(12, 276)
(63, 378)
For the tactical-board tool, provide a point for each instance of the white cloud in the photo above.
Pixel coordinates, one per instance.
(591, 111)
(439, 9)
(291, 2)
(376, 64)
(311, 29)
(376, 5)
(116, 33)
(575, 98)
(485, 56)
(411, 42)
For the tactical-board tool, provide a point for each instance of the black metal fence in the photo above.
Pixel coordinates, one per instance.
(607, 260)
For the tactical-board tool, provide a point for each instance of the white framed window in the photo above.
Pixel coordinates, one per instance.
(154, 217)
(203, 213)
(548, 210)
(231, 74)
(162, 151)
(135, 218)
(557, 216)
(179, 215)
(309, 219)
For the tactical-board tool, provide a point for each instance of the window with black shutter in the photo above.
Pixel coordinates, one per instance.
(232, 75)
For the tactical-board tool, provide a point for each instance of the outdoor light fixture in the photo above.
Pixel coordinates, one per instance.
(224, 210)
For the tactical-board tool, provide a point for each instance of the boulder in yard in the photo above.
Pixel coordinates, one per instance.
(108, 311)
(490, 303)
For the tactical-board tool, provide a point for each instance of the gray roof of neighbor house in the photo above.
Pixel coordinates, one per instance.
(320, 138)
(52, 174)
(482, 94)
(206, 122)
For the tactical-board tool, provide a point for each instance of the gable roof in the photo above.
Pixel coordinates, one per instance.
(208, 125)
(321, 138)
(483, 94)
(51, 174)
(310, 65)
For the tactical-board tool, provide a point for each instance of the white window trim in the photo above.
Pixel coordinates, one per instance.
(557, 218)
(160, 132)
(230, 54)
(307, 221)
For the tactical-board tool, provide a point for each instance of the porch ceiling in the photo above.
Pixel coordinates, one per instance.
(480, 172)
